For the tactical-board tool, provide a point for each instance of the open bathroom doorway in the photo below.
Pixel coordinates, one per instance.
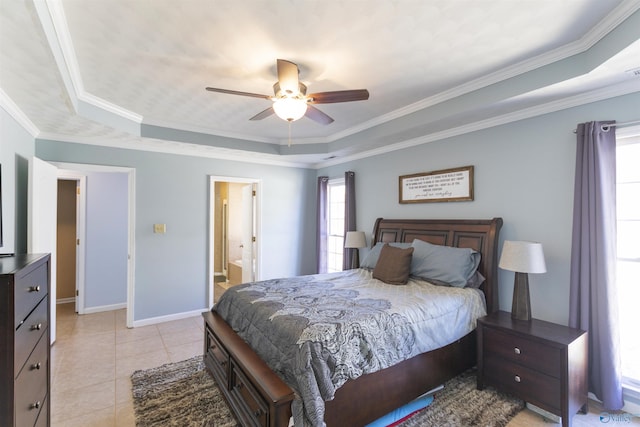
(234, 233)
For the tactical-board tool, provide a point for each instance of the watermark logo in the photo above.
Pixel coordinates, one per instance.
(623, 417)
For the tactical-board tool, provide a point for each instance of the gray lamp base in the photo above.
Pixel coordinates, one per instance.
(521, 305)
(355, 258)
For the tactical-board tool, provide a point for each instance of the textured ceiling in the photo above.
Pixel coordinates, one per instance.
(132, 73)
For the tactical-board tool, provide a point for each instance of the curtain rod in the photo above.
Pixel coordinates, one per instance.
(605, 128)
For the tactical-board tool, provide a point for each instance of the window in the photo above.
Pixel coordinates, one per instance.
(335, 243)
(628, 265)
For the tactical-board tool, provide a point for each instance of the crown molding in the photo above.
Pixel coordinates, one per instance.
(178, 148)
(18, 115)
(625, 88)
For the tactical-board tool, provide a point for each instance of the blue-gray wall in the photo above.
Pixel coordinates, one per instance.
(524, 173)
(171, 268)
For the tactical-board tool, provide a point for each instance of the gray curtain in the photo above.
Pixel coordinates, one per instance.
(321, 224)
(350, 256)
(593, 298)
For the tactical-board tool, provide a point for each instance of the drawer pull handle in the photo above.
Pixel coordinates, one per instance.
(516, 350)
(36, 327)
(36, 405)
(36, 366)
(517, 378)
(34, 288)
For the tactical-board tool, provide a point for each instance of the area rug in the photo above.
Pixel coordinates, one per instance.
(184, 394)
(460, 403)
(180, 394)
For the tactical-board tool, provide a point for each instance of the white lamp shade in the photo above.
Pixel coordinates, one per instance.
(290, 109)
(522, 257)
(355, 239)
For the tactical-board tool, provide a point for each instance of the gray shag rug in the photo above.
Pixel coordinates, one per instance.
(180, 394)
(460, 403)
(184, 394)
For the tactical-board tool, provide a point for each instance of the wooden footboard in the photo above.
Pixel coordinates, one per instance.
(257, 396)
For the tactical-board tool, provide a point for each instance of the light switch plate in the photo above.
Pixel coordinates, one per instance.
(160, 228)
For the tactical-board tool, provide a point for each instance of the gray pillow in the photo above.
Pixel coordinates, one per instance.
(454, 266)
(371, 259)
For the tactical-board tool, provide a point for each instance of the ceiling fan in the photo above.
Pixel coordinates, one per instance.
(290, 99)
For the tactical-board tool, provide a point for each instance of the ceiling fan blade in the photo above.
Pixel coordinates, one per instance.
(318, 116)
(235, 92)
(263, 114)
(338, 96)
(288, 76)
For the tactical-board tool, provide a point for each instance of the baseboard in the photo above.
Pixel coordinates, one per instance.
(168, 318)
(101, 308)
(65, 300)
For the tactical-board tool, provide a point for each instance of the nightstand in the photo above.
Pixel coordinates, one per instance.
(540, 362)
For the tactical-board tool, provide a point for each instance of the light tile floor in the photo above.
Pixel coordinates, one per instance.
(93, 359)
(95, 355)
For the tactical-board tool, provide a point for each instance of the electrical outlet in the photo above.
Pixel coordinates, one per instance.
(160, 228)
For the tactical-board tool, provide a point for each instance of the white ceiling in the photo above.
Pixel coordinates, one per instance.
(132, 73)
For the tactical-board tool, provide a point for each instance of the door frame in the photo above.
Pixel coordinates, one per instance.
(81, 230)
(131, 181)
(211, 203)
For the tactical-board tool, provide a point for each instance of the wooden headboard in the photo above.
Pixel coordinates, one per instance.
(480, 235)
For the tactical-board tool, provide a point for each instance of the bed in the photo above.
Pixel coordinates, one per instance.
(260, 397)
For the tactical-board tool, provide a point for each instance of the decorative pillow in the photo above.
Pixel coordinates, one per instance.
(394, 265)
(371, 258)
(453, 266)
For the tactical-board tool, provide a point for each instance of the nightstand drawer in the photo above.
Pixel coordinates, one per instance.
(529, 385)
(535, 355)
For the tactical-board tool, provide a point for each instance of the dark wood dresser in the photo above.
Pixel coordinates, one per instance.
(24, 341)
(540, 362)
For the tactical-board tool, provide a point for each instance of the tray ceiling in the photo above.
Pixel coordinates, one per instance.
(132, 73)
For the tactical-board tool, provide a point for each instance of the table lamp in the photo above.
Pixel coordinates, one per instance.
(355, 240)
(523, 258)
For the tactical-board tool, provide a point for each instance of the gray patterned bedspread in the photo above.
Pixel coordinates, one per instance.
(318, 331)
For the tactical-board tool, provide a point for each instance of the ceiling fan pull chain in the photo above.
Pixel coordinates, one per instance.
(289, 133)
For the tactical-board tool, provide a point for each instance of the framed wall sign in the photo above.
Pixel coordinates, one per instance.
(447, 185)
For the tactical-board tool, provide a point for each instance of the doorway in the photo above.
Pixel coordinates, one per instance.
(111, 210)
(234, 233)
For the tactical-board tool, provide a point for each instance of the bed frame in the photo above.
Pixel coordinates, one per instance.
(259, 397)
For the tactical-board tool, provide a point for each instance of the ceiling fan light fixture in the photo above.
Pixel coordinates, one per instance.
(290, 109)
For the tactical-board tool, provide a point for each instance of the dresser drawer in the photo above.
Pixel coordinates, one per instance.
(253, 408)
(43, 418)
(529, 385)
(535, 355)
(31, 385)
(30, 332)
(29, 290)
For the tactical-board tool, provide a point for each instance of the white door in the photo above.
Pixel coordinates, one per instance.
(41, 221)
(247, 234)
